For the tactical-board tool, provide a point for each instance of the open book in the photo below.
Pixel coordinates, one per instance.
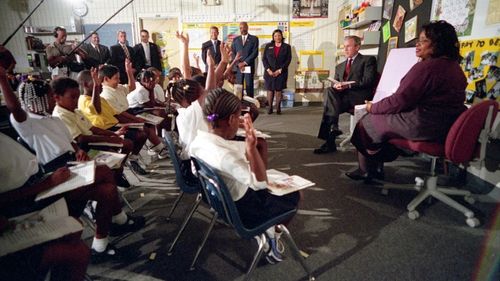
(103, 143)
(28, 230)
(111, 159)
(81, 175)
(280, 183)
(131, 125)
(150, 118)
(241, 133)
(341, 83)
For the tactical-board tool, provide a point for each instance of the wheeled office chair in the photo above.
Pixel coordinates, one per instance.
(467, 137)
(220, 200)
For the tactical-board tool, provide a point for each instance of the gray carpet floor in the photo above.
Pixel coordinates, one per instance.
(351, 231)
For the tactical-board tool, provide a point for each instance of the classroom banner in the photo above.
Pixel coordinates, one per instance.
(481, 67)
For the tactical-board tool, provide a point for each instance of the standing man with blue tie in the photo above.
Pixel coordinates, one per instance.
(213, 45)
(247, 45)
(341, 97)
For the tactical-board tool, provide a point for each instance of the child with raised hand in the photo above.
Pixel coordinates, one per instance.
(144, 97)
(66, 93)
(54, 147)
(116, 96)
(240, 164)
(102, 115)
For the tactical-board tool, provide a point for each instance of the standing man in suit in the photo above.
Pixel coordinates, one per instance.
(119, 53)
(341, 97)
(147, 54)
(97, 54)
(214, 45)
(248, 46)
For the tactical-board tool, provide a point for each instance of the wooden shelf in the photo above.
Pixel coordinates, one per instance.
(371, 38)
(370, 15)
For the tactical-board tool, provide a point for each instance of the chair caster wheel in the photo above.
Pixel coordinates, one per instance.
(472, 222)
(469, 199)
(413, 215)
(384, 191)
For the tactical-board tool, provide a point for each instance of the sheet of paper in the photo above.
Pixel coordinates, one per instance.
(34, 228)
(81, 175)
(247, 70)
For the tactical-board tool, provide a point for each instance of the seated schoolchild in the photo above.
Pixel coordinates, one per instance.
(66, 258)
(143, 96)
(240, 164)
(159, 93)
(102, 115)
(66, 94)
(116, 96)
(49, 138)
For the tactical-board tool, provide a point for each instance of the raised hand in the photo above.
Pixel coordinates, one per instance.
(184, 38)
(128, 66)
(250, 138)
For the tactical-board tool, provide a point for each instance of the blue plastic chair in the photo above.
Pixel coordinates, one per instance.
(220, 200)
(184, 186)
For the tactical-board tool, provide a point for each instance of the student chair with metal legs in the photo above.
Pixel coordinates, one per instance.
(224, 208)
(185, 187)
(465, 142)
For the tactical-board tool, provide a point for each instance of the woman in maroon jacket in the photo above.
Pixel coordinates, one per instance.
(429, 99)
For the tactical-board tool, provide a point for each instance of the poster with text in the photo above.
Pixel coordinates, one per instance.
(310, 9)
(459, 13)
(388, 5)
(481, 67)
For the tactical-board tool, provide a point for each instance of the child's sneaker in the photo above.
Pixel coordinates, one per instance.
(273, 255)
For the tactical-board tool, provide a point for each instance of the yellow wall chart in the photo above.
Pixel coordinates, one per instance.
(481, 66)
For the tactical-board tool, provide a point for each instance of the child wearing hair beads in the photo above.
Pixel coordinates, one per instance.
(240, 164)
(52, 143)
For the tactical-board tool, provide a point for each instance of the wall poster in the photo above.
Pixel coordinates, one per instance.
(310, 9)
(481, 67)
(459, 13)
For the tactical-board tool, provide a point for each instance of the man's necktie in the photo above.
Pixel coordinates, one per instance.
(98, 53)
(125, 49)
(244, 39)
(347, 68)
(215, 47)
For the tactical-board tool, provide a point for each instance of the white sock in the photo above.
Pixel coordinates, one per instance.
(158, 147)
(100, 244)
(121, 218)
(270, 232)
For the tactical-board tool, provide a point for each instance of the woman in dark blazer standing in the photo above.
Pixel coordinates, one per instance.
(276, 58)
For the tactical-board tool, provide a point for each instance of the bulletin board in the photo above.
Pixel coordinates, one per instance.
(108, 33)
(423, 13)
(481, 67)
(311, 60)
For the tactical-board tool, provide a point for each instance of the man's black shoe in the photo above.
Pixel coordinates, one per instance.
(358, 175)
(336, 132)
(325, 148)
(133, 224)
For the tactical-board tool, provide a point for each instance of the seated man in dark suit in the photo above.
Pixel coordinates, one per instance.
(342, 96)
(147, 54)
(214, 45)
